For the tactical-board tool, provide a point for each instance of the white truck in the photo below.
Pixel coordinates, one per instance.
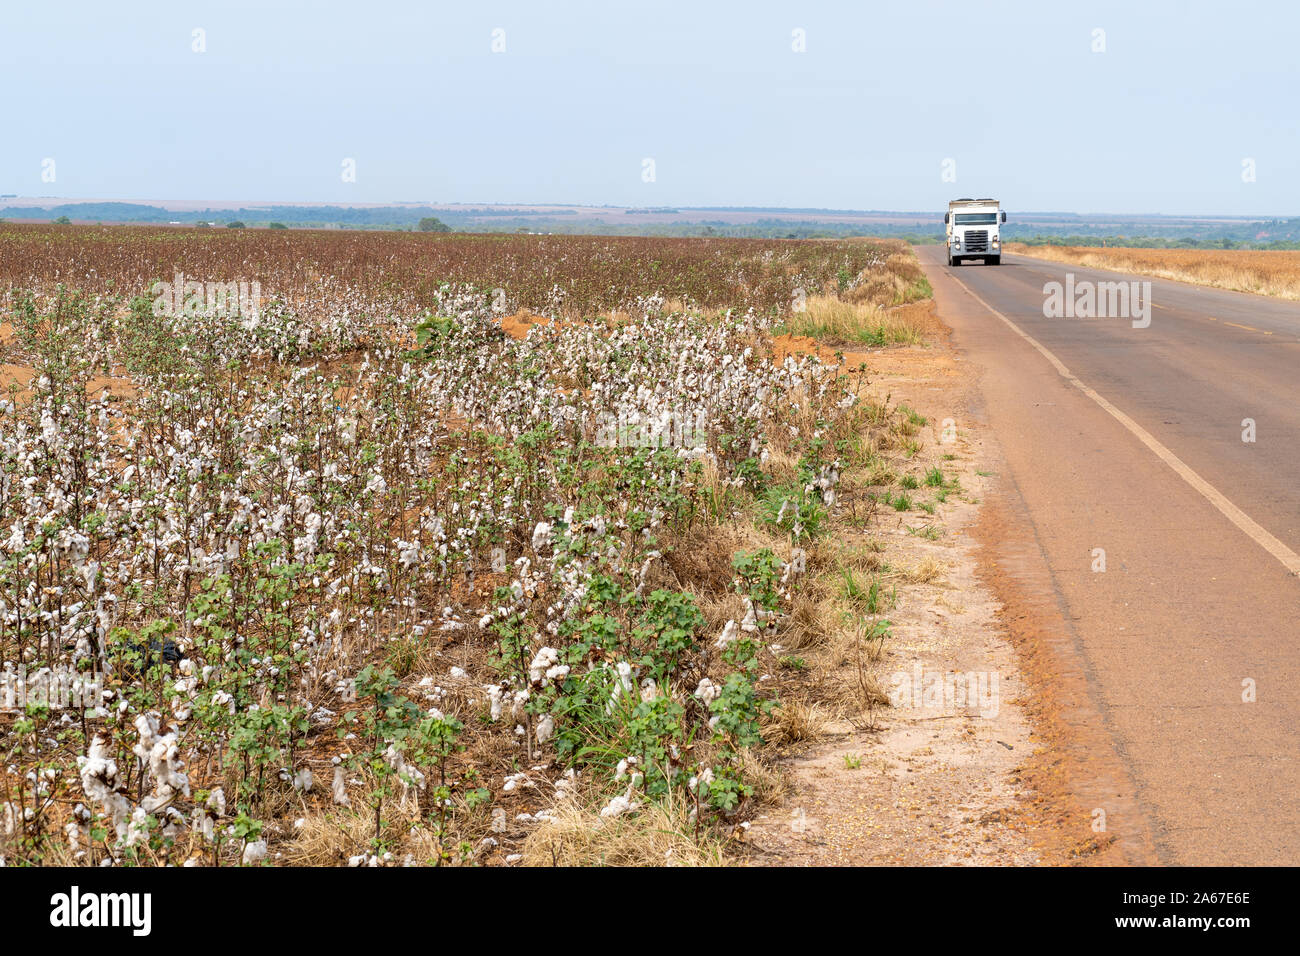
(972, 229)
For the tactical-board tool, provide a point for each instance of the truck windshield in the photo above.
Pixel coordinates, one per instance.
(977, 218)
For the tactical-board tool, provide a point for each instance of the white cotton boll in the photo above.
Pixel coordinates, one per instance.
(302, 780)
(707, 691)
(566, 788)
(254, 853)
(496, 701)
(558, 672)
(545, 658)
(726, 637)
(541, 535)
(138, 828)
(620, 805)
(485, 621)
(545, 729)
(339, 787)
(623, 685)
(459, 673)
(499, 822)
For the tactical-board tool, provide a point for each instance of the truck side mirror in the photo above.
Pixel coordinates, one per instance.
(945, 219)
(1004, 216)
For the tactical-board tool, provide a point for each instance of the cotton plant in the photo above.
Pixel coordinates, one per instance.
(294, 494)
(160, 754)
(104, 787)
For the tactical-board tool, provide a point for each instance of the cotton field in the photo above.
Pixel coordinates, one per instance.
(366, 583)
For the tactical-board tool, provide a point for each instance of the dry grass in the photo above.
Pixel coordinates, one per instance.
(1264, 272)
(928, 570)
(794, 721)
(331, 836)
(658, 834)
(812, 619)
(839, 322)
(901, 280)
(887, 303)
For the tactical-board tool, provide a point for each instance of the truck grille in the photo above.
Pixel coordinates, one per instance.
(977, 241)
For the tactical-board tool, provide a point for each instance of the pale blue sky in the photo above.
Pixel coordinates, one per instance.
(713, 92)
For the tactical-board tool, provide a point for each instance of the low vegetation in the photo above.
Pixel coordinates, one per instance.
(316, 270)
(368, 582)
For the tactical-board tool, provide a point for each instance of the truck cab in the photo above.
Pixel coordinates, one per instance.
(972, 230)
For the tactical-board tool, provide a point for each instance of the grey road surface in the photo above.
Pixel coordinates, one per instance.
(1191, 635)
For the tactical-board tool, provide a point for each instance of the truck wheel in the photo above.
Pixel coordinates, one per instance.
(994, 260)
(955, 261)
(950, 260)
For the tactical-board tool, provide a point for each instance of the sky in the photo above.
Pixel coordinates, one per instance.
(1186, 108)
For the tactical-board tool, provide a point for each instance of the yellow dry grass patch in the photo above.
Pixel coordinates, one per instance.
(833, 320)
(1264, 272)
(657, 834)
(926, 571)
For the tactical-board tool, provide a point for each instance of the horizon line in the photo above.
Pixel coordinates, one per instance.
(666, 207)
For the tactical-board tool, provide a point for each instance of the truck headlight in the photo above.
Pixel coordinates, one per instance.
(956, 240)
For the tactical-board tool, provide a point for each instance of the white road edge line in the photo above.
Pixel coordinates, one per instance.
(1290, 560)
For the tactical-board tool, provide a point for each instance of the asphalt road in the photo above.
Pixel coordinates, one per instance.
(1130, 440)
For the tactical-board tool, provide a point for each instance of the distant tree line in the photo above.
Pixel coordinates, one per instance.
(1150, 232)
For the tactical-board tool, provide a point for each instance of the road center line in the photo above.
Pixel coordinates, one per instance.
(1248, 328)
(1290, 560)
